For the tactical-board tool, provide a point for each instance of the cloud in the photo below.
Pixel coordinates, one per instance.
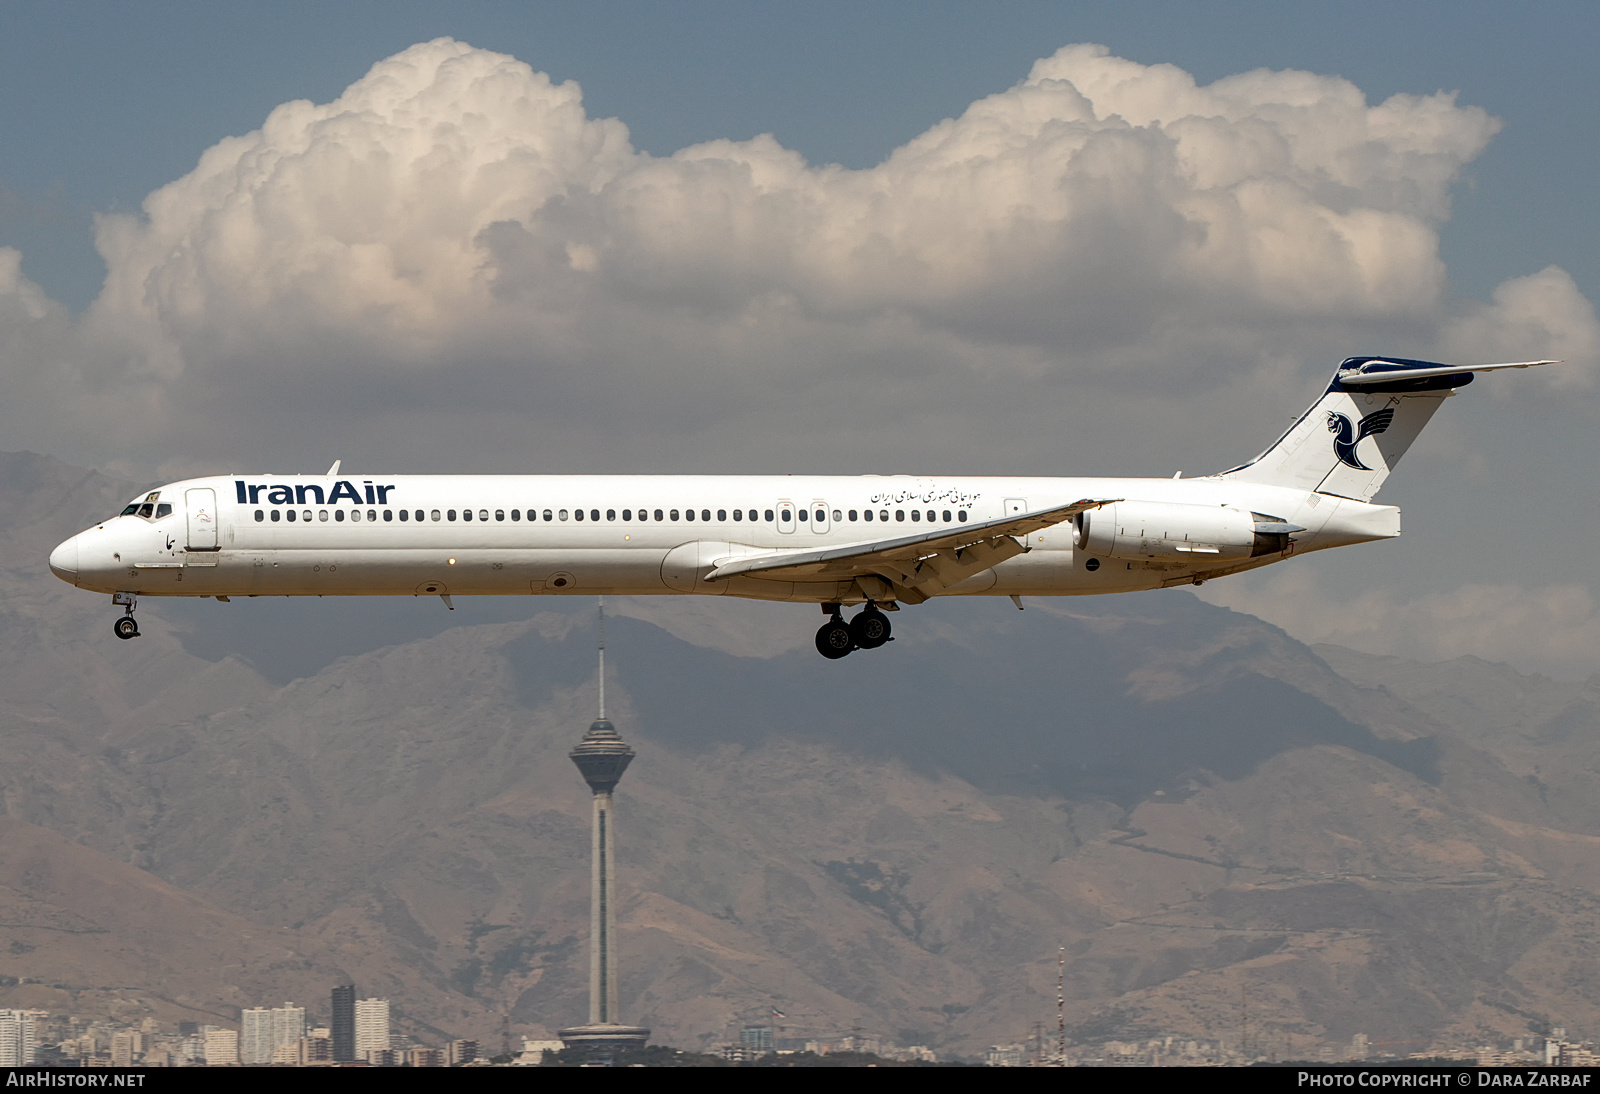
(454, 235)
(1543, 315)
(452, 266)
(1551, 629)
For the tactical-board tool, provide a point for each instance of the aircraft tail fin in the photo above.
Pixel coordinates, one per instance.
(1350, 439)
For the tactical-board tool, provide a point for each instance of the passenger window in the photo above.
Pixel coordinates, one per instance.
(867, 514)
(627, 514)
(163, 510)
(355, 514)
(291, 515)
(577, 514)
(483, 514)
(687, 515)
(322, 515)
(722, 514)
(338, 514)
(516, 514)
(594, 514)
(769, 514)
(738, 514)
(372, 514)
(434, 514)
(260, 516)
(783, 515)
(547, 515)
(466, 514)
(405, 514)
(388, 514)
(961, 515)
(274, 516)
(305, 515)
(822, 516)
(852, 514)
(837, 517)
(450, 513)
(499, 514)
(611, 514)
(705, 514)
(899, 514)
(916, 514)
(562, 514)
(946, 516)
(674, 515)
(883, 514)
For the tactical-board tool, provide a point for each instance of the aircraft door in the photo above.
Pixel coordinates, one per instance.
(201, 506)
(819, 515)
(786, 516)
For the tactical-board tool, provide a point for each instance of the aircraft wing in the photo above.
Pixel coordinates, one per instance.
(909, 564)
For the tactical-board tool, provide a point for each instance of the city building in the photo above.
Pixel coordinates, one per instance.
(16, 1038)
(343, 1028)
(271, 1036)
(222, 1046)
(372, 1028)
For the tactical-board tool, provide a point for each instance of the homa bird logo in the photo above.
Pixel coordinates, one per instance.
(1347, 436)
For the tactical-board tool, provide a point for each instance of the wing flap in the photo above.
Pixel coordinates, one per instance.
(945, 556)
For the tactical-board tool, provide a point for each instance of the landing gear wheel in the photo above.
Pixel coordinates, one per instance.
(833, 639)
(870, 628)
(126, 627)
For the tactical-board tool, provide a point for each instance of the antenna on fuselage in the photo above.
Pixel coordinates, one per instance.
(334, 470)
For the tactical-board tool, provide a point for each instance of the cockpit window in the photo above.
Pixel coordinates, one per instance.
(148, 509)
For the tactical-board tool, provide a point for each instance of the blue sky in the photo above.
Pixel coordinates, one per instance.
(674, 352)
(100, 103)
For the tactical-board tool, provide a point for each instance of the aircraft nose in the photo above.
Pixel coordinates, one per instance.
(64, 561)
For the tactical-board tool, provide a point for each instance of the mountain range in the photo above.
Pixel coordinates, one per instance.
(1233, 835)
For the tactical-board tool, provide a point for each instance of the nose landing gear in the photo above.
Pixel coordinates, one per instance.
(867, 631)
(127, 626)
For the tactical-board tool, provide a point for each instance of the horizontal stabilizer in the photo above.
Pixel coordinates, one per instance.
(1376, 370)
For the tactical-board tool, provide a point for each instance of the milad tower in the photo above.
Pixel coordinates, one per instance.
(602, 756)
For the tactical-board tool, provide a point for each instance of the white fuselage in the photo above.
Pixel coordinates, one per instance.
(343, 535)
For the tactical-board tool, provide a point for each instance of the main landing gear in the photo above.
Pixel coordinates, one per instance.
(127, 626)
(867, 631)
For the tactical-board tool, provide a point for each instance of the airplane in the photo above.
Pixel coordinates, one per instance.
(875, 541)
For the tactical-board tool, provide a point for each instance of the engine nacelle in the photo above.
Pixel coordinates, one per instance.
(1178, 531)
